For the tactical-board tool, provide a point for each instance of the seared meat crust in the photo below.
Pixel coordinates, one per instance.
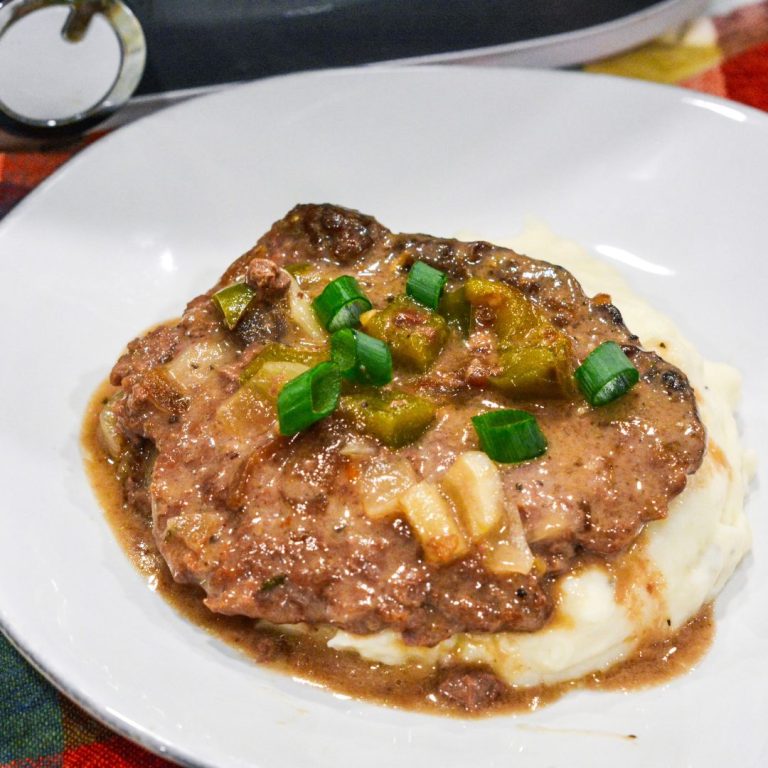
(272, 527)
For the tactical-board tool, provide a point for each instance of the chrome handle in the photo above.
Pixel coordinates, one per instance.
(133, 53)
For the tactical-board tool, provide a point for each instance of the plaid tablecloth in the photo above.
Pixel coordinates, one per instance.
(725, 55)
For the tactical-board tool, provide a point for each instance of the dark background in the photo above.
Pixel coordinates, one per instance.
(203, 42)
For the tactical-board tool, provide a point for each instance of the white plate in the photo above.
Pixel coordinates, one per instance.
(149, 216)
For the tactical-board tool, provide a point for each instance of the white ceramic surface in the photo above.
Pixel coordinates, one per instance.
(670, 183)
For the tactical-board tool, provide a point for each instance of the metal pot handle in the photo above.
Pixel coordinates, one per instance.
(133, 53)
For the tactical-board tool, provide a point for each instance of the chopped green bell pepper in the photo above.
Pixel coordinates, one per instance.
(232, 301)
(395, 418)
(535, 356)
(513, 313)
(455, 308)
(535, 371)
(415, 334)
(280, 353)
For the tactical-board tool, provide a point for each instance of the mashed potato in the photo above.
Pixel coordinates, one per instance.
(677, 565)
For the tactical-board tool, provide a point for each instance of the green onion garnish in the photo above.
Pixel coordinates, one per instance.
(510, 435)
(309, 397)
(349, 315)
(606, 374)
(233, 301)
(341, 303)
(361, 358)
(425, 284)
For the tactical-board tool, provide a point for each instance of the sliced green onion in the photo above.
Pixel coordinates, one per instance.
(361, 358)
(308, 398)
(425, 284)
(606, 374)
(341, 303)
(510, 436)
(233, 301)
(349, 315)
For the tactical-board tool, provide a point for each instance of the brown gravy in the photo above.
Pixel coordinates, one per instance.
(308, 657)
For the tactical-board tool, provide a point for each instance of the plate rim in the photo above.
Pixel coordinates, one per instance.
(119, 725)
(379, 70)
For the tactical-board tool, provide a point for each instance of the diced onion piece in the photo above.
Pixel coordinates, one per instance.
(382, 483)
(357, 448)
(507, 551)
(473, 483)
(195, 364)
(432, 520)
(111, 437)
(194, 530)
(553, 522)
(165, 392)
(302, 314)
(273, 376)
(245, 412)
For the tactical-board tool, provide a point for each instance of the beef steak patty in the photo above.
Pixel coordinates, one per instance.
(272, 527)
